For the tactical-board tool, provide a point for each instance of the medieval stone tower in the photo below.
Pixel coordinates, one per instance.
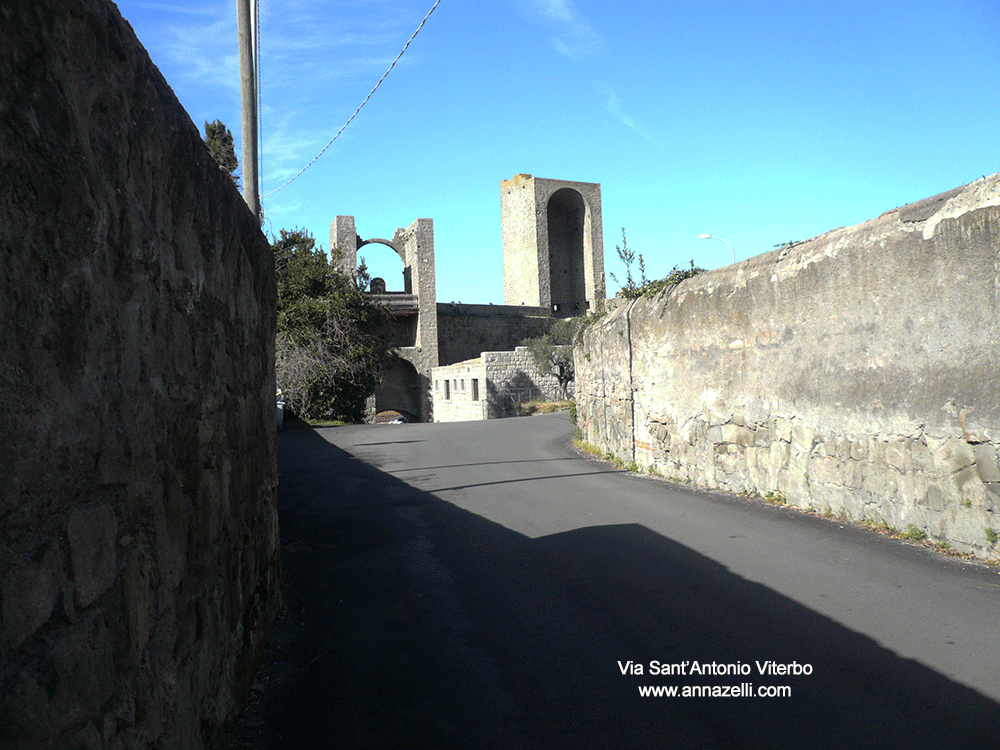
(553, 244)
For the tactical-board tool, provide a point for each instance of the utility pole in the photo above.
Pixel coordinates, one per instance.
(248, 100)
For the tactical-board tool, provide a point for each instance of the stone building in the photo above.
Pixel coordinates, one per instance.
(490, 386)
(553, 268)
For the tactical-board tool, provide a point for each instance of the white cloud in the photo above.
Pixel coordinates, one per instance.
(573, 36)
(613, 106)
(195, 49)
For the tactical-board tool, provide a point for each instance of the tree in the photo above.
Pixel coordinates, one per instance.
(329, 347)
(219, 140)
(553, 351)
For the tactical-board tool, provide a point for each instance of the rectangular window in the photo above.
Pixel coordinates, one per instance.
(447, 390)
(475, 389)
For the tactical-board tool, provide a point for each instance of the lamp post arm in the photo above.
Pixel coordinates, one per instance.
(713, 237)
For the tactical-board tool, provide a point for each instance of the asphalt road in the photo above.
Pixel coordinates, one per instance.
(480, 585)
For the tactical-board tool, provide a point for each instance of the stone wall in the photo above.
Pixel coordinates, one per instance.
(465, 331)
(513, 378)
(855, 372)
(139, 562)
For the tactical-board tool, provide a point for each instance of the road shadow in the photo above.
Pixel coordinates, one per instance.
(412, 623)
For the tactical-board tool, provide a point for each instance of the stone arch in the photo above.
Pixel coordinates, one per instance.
(400, 389)
(566, 222)
(379, 241)
(398, 281)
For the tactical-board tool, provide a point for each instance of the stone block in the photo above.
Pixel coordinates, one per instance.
(874, 480)
(825, 470)
(83, 669)
(968, 486)
(803, 437)
(783, 430)
(953, 455)
(30, 593)
(852, 473)
(987, 461)
(136, 591)
(733, 433)
(92, 533)
(906, 488)
(876, 450)
(921, 457)
(842, 447)
(780, 453)
(897, 454)
(859, 450)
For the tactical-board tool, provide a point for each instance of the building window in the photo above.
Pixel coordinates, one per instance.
(475, 389)
(447, 390)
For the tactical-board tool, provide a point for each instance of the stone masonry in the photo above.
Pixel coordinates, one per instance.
(502, 381)
(416, 308)
(139, 547)
(854, 373)
(553, 244)
(553, 267)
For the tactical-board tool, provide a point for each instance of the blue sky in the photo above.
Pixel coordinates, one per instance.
(756, 122)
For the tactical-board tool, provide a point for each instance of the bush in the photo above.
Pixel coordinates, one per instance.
(649, 288)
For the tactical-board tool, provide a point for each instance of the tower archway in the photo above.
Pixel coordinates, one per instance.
(566, 217)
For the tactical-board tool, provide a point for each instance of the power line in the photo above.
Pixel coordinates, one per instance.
(362, 103)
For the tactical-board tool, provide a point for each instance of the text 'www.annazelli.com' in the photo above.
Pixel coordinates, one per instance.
(743, 690)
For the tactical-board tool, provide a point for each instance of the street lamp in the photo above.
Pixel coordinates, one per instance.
(710, 237)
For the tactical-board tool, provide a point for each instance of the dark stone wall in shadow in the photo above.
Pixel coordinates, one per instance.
(139, 563)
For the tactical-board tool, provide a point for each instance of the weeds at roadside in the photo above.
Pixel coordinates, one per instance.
(914, 534)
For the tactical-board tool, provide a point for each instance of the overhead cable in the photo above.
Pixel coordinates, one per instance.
(362, 103)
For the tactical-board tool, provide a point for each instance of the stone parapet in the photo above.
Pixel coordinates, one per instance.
(853, 373)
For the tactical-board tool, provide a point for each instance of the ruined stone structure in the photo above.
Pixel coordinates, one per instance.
(553, 244)
(553, 257)
(854, 373)
(406, 385)
(139, 548)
